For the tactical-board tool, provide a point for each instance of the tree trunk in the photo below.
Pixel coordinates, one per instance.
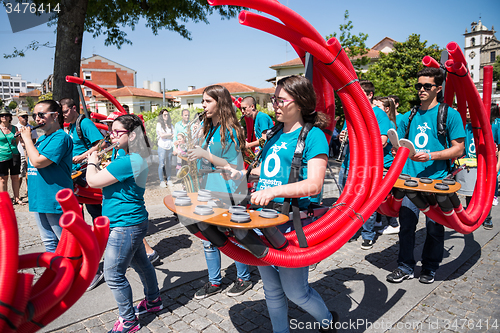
(70, 28)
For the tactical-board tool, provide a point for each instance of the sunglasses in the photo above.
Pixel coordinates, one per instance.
(280, 101)
(118, 134)
(42, 114)
(427, 86)
(244, 108)
(25, 117)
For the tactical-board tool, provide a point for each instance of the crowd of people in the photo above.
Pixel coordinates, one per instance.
(50, 160)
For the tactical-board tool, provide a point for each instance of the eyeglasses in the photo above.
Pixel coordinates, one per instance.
(25, 117)
(280, 102)
(42, 114)
(118, 134)
(427, 86)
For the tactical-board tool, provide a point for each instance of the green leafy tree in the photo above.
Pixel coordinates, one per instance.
(1, 103)
(396, 72)
(31, 103)
(355, 48)
(496, 70)
(108, 17)
(12, 105)
(47, 96)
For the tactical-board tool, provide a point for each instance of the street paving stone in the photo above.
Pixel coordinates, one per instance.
(467, 301)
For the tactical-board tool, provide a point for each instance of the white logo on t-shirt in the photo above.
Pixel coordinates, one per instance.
(422, 134)
(472, 147)
(277, 162)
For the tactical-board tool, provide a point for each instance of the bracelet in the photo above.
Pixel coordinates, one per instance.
(430, 157)
(97, 167)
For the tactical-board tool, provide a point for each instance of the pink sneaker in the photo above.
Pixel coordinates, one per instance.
(146, 306)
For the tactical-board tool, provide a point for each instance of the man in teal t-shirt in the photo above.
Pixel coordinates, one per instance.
(82, 147)
(384, 124)
(429, 161)
(262, 122)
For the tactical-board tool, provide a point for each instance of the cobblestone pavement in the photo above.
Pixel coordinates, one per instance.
(469, 296)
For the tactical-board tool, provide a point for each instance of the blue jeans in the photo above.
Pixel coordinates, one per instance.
(367, 231)
(392, 221)
(164, 161)
(212, 256)
(432, 253)
(50, 230)
(281, 283)
(342, 177)
(125, 248)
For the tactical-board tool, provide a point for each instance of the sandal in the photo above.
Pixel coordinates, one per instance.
(19, 202)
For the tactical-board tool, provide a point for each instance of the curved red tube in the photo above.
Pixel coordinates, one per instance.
(21, 300)
(90, 250)
(111, 98)
(88, 192)
(9, 245)
(487, 87)
(88, 201)
(59, 286)
(98, 116)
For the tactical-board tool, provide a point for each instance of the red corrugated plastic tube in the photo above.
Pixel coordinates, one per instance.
(91, 256)
(98, 116)
(9, 246)
(111, 98)
(23, 291)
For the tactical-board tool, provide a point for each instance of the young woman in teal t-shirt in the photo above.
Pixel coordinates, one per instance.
(123, 182)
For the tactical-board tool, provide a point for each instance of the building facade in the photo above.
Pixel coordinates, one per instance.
(474, 49)
(11, 86)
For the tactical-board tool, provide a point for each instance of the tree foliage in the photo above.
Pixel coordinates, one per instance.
(355, 46)
(496, 70)
(12, 105)
(31, 103)
(46, 96)
(2, 102)
(395, 73)
(108, 18)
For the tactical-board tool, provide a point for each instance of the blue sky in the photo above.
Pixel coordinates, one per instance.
(226, 51)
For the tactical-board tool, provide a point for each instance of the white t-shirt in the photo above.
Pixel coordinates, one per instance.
(34, 136)
(164, 143)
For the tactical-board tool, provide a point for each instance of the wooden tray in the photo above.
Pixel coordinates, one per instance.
(422, 187)
(221, 216)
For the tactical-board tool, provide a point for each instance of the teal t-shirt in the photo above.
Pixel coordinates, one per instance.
(384, 124)
(123, 201)
(262, 122)
(44, 183)
(90, 133)
(423, 134)
(470, 146)
(277, 160)
(231, 153)
(7, 147)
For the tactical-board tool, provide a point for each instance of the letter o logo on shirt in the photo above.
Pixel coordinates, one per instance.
(472, 147)
(417, 140)
(277, 165)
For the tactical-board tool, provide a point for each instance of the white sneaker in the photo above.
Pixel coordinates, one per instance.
(389, 230)
(162, 184)
(170, 183)
(495, 201)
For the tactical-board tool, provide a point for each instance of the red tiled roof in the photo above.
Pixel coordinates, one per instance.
(289, 63)
(232, 87)
(132, 91)
(33, 93)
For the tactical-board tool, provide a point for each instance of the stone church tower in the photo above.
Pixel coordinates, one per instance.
(478, 37)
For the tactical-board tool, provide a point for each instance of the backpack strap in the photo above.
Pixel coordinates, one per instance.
(413, 112)
(79, 132)
(441, 127)
(293, 178)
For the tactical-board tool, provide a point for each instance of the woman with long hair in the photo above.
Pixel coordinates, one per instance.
(387, 104)
(294, 103)
(165, 134)
(123, 184)
(49, 170)
(222, 146)
(10, 159)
